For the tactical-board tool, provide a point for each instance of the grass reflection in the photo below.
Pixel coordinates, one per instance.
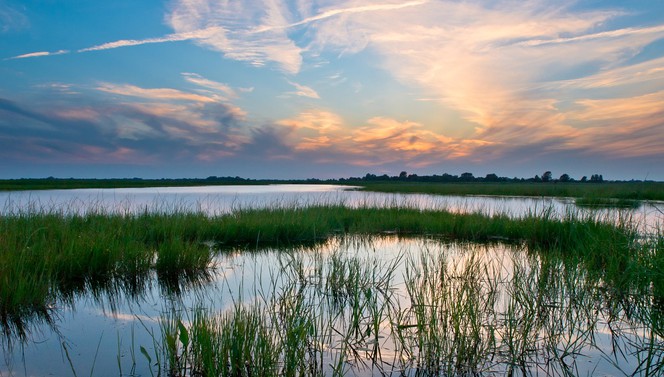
(433, 309)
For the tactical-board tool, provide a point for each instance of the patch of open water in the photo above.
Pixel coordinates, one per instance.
(381, 305)
(215, 200)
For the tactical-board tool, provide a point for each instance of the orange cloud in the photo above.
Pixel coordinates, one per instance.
(381, 140)
(153, 94)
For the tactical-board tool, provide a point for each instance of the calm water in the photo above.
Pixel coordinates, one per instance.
(576, 325)
(501, 299)
(216, 200)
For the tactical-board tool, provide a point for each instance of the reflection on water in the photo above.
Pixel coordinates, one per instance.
(358, 306)
(215, 200)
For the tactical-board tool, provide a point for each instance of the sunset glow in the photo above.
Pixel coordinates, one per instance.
(298, 89)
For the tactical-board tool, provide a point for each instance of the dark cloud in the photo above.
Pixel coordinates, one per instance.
(96, 132)
(267, 143)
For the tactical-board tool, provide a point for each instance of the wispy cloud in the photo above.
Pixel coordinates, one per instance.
(39, 54)
(153, 93)
(11, 18)
(218, 87)
(619, 33)
(334, 12)
(199, 34)
(236, 40)
(303, 91)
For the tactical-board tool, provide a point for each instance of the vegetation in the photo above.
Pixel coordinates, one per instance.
(44, 256)
(460, 310)
(336, 311)
(587, 192)
(591, 192)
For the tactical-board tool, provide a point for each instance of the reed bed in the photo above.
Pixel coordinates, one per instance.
(44, 255)
(337, 313)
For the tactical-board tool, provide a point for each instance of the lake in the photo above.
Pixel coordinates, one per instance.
(353, 305)
(215, 200)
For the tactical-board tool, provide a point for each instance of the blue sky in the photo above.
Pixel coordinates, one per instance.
(297, 89)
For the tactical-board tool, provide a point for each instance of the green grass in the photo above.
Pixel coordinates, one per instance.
(615, 190)
(47, 257)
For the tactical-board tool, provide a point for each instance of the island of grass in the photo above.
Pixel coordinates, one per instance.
(586, 193)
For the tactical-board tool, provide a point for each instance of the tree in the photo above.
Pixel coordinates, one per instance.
(584, 179)
(564, 178)
(467, 177)
(403, 175)
(491, 177)
(546, 177)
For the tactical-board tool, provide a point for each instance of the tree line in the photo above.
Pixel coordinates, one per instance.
(547, 176)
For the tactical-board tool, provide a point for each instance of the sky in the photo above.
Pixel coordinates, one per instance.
(328, 89)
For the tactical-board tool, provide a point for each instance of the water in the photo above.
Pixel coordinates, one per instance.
(510, 307)
(578, 323)
(216, 200)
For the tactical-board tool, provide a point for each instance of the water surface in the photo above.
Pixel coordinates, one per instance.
(216, 200)
(418, 303)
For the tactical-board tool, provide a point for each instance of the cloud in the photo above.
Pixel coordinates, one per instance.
(153, 94)
(237, 39)
(611, 34)
(38, 54)
(334, 12)
(149, 126)
(209, 84)
(199, 34)
(303, 91)
(324, 136)
(506, 69)
(12, 19)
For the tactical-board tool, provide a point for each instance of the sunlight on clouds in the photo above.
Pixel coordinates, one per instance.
(322, 122)
(647, 75)
(381, 140)
(153, 94)
(617, 109)
(209, 84)
(78, 114)
(303, 91)
(489, 62)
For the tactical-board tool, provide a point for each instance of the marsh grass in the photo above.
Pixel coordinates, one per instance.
(634, 191)
(600, 202)
(339, 312)
(49, 256)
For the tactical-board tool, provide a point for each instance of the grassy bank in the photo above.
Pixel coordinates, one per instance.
(588, 191)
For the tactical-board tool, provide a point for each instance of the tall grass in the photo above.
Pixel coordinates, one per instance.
(46, 256)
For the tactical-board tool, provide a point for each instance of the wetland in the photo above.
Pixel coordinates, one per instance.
(319, 280)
